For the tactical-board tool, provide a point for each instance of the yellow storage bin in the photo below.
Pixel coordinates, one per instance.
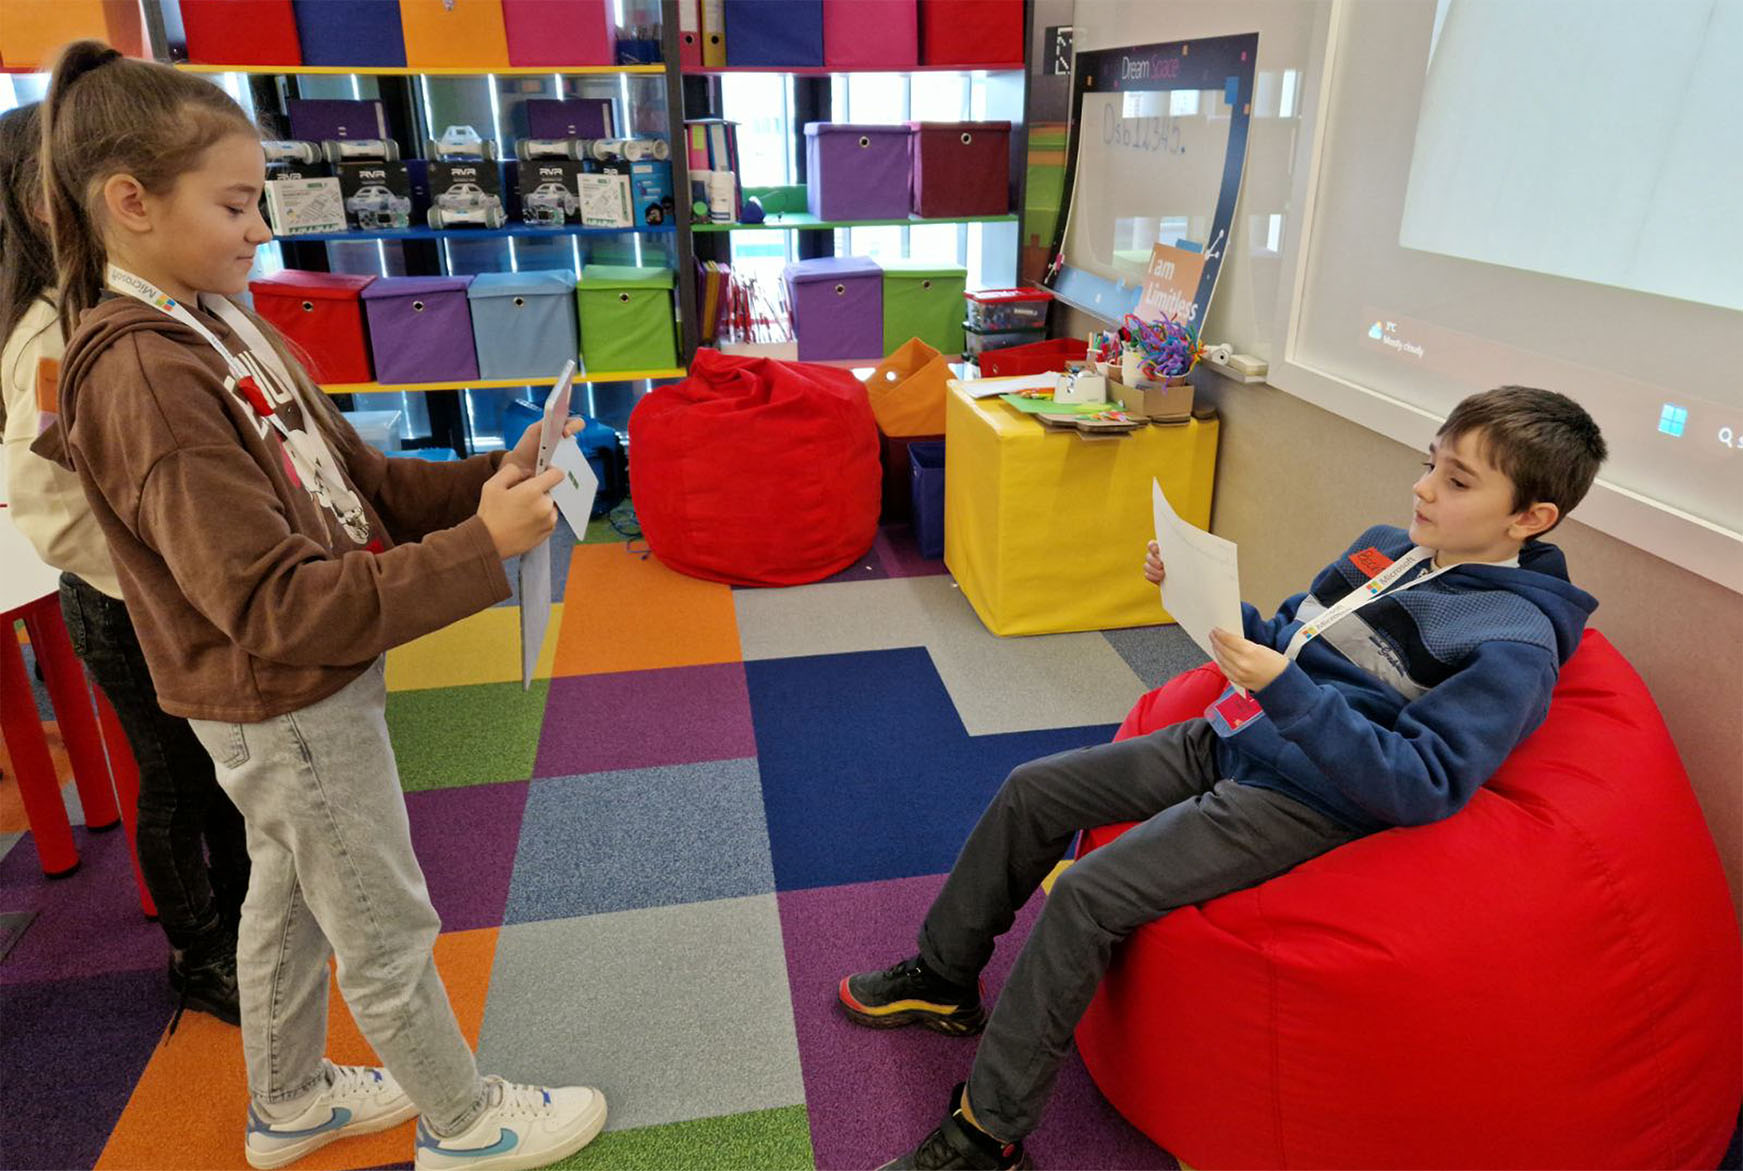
(454, 34)
(33, 31)
(1045, 530)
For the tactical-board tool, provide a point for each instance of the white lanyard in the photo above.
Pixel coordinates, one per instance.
(1362, 595)
(306, 448)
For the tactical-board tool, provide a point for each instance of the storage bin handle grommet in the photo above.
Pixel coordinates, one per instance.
(520, 302)
(925, 284)
(417, 306)
(308, 306)
(623, 298)
(967, 138)
(840, 290)
(864, 141)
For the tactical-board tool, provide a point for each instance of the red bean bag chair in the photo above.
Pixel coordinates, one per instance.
(1551, 978)
(756, 472)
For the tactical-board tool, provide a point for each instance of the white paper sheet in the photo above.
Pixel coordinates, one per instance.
(535, 563)
(574, 495)
(989, 387)
(1202, 586)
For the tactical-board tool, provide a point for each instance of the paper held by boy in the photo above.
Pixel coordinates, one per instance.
(574, 499)
(1201, 585)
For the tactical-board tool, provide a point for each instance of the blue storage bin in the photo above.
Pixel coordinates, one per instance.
(780, 33)
(600, 447)
(435, 455)
(926, 461)
(524, 323)
(350, 32)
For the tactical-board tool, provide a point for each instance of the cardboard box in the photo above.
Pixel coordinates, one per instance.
(549, 191)
(650, 189)
(605, 200)
(378, 196)
(466, 194)
(297, 207)
(1160, 402)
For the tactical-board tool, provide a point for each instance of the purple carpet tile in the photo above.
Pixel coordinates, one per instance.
(72, 1051)
(639, 719)
(900, 556)
(873, 1093)
(88, 922)
(465, 841)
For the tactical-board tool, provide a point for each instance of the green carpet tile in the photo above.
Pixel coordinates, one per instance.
(479, 735)
(600, 531)
(762, 1140)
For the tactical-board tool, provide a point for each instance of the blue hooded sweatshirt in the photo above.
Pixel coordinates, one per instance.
(1398, 713)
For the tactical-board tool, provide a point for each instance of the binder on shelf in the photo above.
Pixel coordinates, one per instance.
(712, 146)
(689, 33)
(713, 33)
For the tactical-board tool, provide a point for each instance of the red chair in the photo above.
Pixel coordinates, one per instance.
(1551, 978)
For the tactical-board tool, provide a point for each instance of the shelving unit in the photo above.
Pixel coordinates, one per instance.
(410, 71)
(517, 231)
(495, 383)
(798, 221)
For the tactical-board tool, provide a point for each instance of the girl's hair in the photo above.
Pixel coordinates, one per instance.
(107, 115)
(26, 259)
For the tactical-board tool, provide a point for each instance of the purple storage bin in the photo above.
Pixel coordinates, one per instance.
(569, 118)
(838, 307)
(857, 172)
(420, 329)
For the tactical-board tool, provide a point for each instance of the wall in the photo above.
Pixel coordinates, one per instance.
(1295, 483)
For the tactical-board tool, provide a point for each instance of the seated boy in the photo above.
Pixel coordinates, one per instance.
(1384, 696)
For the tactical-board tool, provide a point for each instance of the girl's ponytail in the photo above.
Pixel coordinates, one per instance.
(107, 115)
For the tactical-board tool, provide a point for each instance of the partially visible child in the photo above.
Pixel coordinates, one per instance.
(198, 891)
(270, 558)
(1384, 696)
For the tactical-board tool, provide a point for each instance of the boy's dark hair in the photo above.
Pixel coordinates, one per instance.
(1543, 441)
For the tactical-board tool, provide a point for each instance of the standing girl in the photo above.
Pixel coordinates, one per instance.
(270, 559)
(198, 902)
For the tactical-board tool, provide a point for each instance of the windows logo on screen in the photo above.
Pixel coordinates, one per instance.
(1672, 419)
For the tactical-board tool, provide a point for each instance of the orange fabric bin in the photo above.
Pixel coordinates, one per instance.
(33, 31)
(454, 34)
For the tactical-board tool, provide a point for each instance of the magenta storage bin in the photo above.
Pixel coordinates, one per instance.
(856, 172)
(559, 32)
(961, 168)
(420, 329)
(869, 34)
(838, 307)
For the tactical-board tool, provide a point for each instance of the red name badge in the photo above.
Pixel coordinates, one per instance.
(1234, 710)
(1370, 561)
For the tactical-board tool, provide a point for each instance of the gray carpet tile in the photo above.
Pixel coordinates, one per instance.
(673, 1012)
(1156, 653)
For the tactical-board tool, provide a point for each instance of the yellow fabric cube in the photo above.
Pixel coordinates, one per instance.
(1045, 530)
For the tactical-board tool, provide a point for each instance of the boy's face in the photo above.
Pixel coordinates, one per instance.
(1464, 505)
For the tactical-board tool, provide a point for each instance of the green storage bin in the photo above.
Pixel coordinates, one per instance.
(626, 318)
(924, 301)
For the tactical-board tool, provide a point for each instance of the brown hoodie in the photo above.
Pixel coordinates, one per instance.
(249, 598)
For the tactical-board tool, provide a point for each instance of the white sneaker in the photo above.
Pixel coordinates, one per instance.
(521, 1128)
(357, 1100)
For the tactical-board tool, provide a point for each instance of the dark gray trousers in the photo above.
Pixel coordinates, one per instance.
(1201, 837)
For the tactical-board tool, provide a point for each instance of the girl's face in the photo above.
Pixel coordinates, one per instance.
(206, 228)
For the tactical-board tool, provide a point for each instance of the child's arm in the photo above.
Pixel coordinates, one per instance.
(1442, 747)
(1260, 630)
(417, 497)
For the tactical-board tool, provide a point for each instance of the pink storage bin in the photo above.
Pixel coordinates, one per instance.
(559, 32)
(868, 34)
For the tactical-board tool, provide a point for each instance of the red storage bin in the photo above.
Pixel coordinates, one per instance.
(971, 32)
(869, 34)
(241, 32)
(559, 32)
(961, 168)
(1034, 358)
(322, 313)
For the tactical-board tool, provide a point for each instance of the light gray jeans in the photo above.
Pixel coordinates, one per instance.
(334, 874)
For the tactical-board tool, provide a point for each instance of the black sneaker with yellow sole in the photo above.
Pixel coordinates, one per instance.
(959, 1144)
(910, 993)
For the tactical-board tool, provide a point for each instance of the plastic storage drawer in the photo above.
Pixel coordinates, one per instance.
(856, 172)
(453, 34)
(924, 301)
(626, 318)
(1034, 357)
(523, 323)
(784, 34)
(351, 32)
(420, 329)
(974, 342)
(838, 307)
(322, 313)
(559, 32)
(991, 310)
(870, 34)
(241, 32)
(971, 32)
(961, 168)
